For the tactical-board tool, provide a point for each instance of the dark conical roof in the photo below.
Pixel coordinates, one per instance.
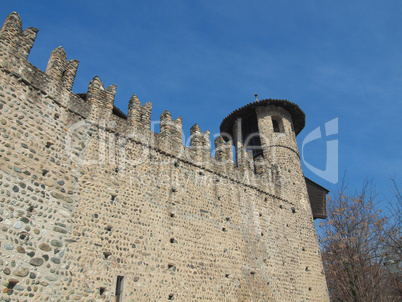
(298, 116)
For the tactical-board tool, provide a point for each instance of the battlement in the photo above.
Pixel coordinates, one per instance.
(96, 106)
(97, 206)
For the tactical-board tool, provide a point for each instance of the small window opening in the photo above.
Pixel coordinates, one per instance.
(260, 214)
(227, 218)
(113, 197)
(108, 228)
(172, 215)
(170, 265)
(171, 297)
(224, 229)
(309, 288)
(262, 234)
(275, 124)
(252, 272)
(106, 254)
(44, 172)
(250, 134)
(172, 240)
(102, 290)
(56, 116)
(119, 289)
(49, 144)
(293, 210)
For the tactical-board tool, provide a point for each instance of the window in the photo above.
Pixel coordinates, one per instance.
(119, 289)
(277, 124)
(250, 134)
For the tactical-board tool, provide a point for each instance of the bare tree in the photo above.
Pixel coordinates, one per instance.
(355, 242)
(393, 236)
(393, 247)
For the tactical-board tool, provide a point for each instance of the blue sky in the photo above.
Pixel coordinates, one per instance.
(204, 59)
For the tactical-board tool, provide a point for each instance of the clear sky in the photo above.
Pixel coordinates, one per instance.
(204, 59)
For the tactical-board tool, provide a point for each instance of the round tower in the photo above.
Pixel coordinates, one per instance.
(268, 128)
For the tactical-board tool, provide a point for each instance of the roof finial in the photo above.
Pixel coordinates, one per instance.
(256, 97)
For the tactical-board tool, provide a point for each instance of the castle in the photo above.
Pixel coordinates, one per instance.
(97, 207)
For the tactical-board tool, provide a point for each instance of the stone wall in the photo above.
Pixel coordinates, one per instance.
(88, 196)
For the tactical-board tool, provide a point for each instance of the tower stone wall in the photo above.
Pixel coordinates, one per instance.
(94, 206)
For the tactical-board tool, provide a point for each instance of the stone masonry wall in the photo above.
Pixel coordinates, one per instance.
(87, 196)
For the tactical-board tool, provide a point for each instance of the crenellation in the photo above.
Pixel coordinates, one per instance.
(139, 115)
(69, 74)
(221, 150)
(195, 133)
(110, 95)
(134, 110)
(224, 163)
(206, 147)
(95, 87)
(94, 203)
(57, 63)
(10, 34)
(171, 134)
(166, 122)
(101, 100)
(146, 115)
(28, 39)
(196, 144)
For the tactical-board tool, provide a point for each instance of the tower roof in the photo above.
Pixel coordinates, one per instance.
(298, 116)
